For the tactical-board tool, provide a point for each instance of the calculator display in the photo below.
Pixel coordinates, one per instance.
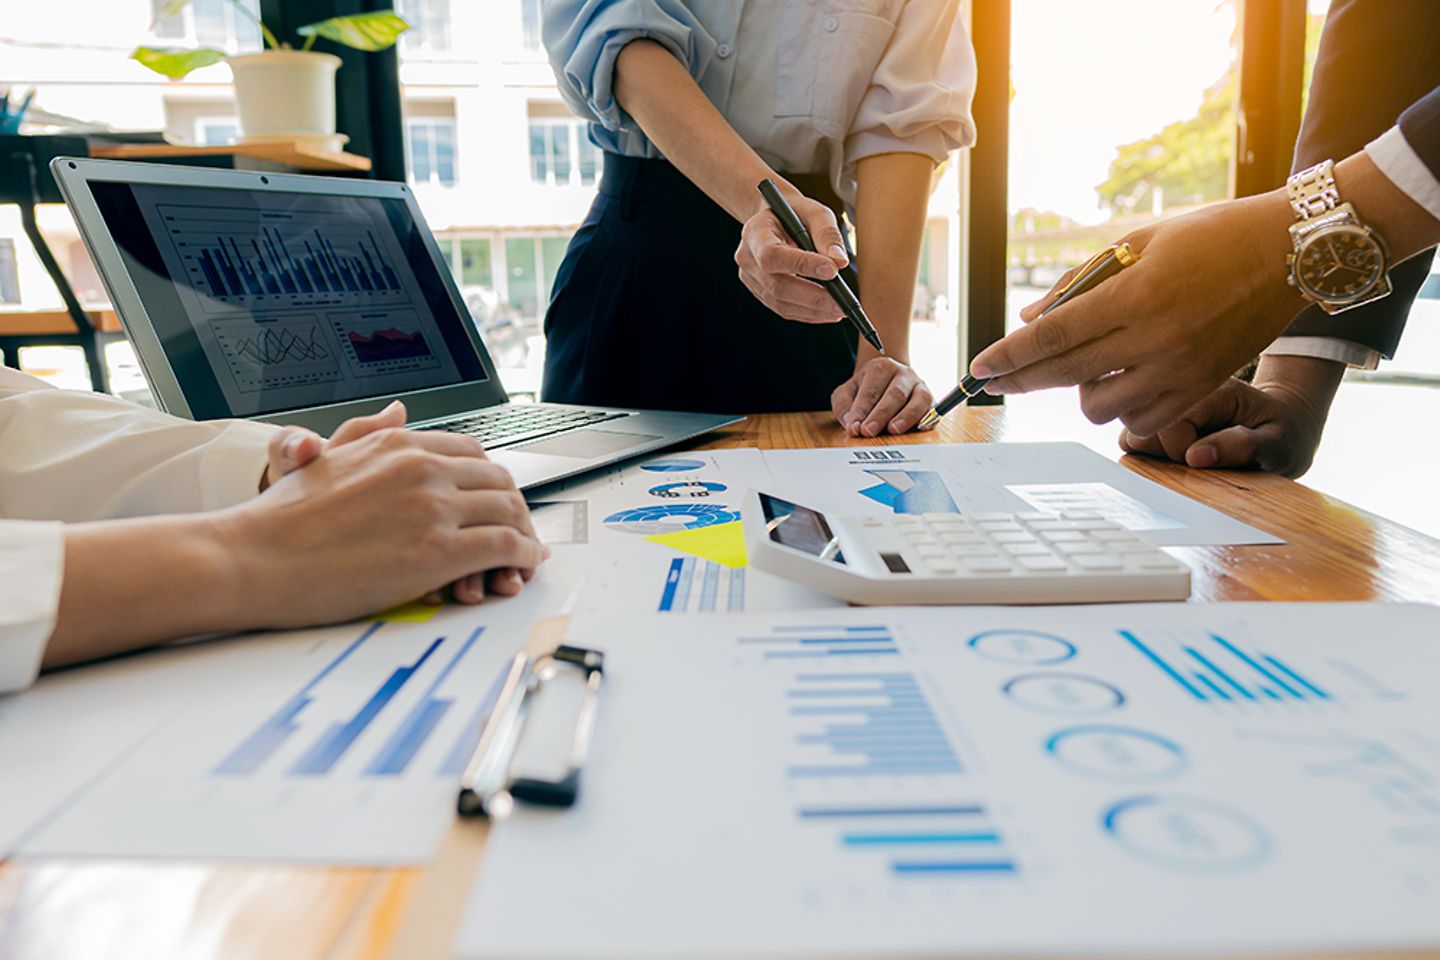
(800, 527)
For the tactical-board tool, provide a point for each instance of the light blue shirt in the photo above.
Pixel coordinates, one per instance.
(812, 85)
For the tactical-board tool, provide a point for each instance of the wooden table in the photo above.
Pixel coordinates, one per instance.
(120, 909)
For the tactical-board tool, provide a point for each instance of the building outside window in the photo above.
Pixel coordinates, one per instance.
(430, 146)
(530, 23)
(211, 23)
(429, 25)
(9, 272)
(216, 131)
(561, 153)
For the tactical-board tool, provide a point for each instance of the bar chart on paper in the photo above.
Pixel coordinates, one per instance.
(346, 733)
(1215, 669)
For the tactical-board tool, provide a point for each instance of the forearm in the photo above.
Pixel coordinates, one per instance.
(655, 89)
(893, 191)
(1404, 224)
(129, 583)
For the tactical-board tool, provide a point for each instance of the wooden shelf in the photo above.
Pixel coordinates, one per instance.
(295, 154)
(23, 323)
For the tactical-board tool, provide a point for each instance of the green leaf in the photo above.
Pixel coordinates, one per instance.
(176, 62)
(361, 31)
(171, 7)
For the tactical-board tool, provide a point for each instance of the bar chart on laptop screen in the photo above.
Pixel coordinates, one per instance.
(240, 257)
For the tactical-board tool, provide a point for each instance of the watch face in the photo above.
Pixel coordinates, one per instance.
(1339, 264)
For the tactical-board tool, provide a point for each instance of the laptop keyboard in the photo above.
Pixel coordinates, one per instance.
(513, 422)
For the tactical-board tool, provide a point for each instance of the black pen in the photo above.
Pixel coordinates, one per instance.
(1093, 272)
(839, 290)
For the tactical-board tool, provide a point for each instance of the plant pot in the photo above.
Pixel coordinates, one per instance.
(285, 94)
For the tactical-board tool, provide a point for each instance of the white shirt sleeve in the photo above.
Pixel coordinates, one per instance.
(1348, 352)
(919, 98)
(1402, 166)
(32, 564)
(71, 456)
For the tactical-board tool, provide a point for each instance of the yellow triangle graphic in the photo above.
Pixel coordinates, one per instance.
(723, 543)
(416, 611)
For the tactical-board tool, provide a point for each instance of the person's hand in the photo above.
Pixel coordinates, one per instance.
(883, 395)
(294, 447)
(772, 268)
(1147, 344)
(1274, 425)
(377, 521)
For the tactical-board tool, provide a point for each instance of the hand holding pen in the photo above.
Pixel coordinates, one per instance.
(1089, 275)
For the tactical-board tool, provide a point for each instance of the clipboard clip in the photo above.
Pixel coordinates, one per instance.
(487, 788)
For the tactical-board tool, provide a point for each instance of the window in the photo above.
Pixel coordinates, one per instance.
(523, 288)
(216, 131)
(430, 145)
(475, 267)
(429, 25)
(211, 23)
(561, 153)
(9, 272)
(530, 22)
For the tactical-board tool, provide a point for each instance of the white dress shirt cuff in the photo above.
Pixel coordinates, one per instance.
(932, 142)
(233, 464)
(1395, 158)
(1347, 352)
(32, 566)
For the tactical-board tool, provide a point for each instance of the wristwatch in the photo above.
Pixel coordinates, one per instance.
(1337, 262)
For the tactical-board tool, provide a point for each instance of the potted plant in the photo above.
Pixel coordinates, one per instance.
(283, 92)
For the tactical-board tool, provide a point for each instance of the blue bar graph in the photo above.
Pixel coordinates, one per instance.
(807, 642)
(250, 755)
(268, 266)
(327, 751)
(691, 580)
(869, 725)
(1218, 670)
(459, 755)
(397, 753)
(936, 840)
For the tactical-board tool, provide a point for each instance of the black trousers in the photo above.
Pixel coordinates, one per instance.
(648, 310)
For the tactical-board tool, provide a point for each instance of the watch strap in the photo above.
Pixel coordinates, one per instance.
(1312, 191)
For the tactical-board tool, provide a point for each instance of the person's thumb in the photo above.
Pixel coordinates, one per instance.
(391, 418)
(291, 449)
(1234, 448)
(820, 221)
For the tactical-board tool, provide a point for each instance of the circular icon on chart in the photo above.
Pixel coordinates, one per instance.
(669, 517)
(1022, 646)
(1185, 833)
(1065, 693)
(672, 466)
(681, 489)
(1116, 753)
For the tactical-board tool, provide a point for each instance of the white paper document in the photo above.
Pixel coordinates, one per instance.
(342, 745)
(1008, 477)
(665, 536)
(884, 782)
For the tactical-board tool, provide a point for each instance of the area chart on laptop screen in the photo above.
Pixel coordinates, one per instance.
(247, 256)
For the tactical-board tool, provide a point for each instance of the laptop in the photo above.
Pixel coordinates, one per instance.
(311, 300)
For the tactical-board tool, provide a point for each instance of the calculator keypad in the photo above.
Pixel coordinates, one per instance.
(1026, 545)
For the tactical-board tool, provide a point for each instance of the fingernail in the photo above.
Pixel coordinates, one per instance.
(475, 583)
(837, 252)
(981, 371)
(826, 271)
(391, 406)
(995, 389)
(545, 552)
(1202, 456)
(292, 445)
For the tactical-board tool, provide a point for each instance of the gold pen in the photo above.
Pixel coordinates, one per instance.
(1092, 272)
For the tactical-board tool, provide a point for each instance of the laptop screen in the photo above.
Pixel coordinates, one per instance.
(267, 301)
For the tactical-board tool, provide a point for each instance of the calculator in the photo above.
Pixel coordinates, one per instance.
(977, 557)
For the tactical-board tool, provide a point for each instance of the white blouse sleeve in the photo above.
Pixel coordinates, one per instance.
(919, 97)
(73, 456)
(32, 564)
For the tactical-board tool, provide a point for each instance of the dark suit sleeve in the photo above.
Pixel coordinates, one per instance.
(1376, 59)
(1420, 124)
